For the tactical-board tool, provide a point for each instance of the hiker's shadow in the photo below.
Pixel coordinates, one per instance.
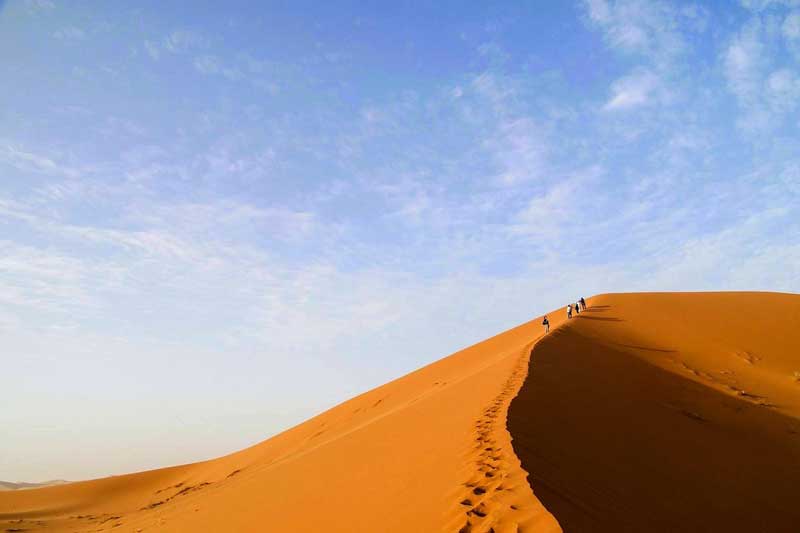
(598, 309)
(603, 318)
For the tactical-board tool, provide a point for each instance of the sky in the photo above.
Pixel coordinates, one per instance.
(220, 218)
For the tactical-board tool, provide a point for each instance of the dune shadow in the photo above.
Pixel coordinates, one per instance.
(614, 443)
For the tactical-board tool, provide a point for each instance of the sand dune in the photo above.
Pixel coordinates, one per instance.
(650, 412)
(8, 485)
(667, 412)
(427, 452)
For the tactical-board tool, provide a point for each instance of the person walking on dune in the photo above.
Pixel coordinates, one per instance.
(569, 311)
(546, 324)
(583, 303)
(577, 308)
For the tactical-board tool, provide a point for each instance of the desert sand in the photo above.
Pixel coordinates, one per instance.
(667, 412)
(648, 412)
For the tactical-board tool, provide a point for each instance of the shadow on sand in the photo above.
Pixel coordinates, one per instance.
(616, 444)
(603, 318)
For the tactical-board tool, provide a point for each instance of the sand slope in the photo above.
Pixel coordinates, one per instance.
(650, 412)
(427, 452)
(667, 412)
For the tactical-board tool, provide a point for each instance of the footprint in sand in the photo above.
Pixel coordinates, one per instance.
(489, 467)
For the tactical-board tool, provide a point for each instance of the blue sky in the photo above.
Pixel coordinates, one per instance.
(218, 220)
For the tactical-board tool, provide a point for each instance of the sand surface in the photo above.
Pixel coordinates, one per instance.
(667, 412)
(650, 412)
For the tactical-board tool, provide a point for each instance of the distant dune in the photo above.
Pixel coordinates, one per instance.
(7, 485)
(648, 412)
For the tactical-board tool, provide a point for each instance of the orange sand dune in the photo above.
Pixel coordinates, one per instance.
(415, 455)
(650, 412)
(667, 412)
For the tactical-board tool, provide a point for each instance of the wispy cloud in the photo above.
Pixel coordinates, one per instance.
(556, 211)
(33, 162)
(178, 41)
(519, 147)
(70, 33)
(791, 26)
(152, 49)
(496, 89)
(657, 36)
(40, 5)
(182, 40)
(783, 90)
(764, 83)
(209, 64)
(653, 29)
(701, 261)
(634, 90)
(760, 5)
(744, 62)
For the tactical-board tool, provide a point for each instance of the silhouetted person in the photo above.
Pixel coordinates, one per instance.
(569, 311)
(577, 308)
(583, 303)
(546, 324)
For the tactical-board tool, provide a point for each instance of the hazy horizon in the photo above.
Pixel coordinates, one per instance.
(216, 221)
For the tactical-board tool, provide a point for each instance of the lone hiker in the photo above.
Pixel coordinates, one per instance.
(546, 324)
(569, 311)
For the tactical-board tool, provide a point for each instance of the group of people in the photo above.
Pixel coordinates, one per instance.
(578, 306)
